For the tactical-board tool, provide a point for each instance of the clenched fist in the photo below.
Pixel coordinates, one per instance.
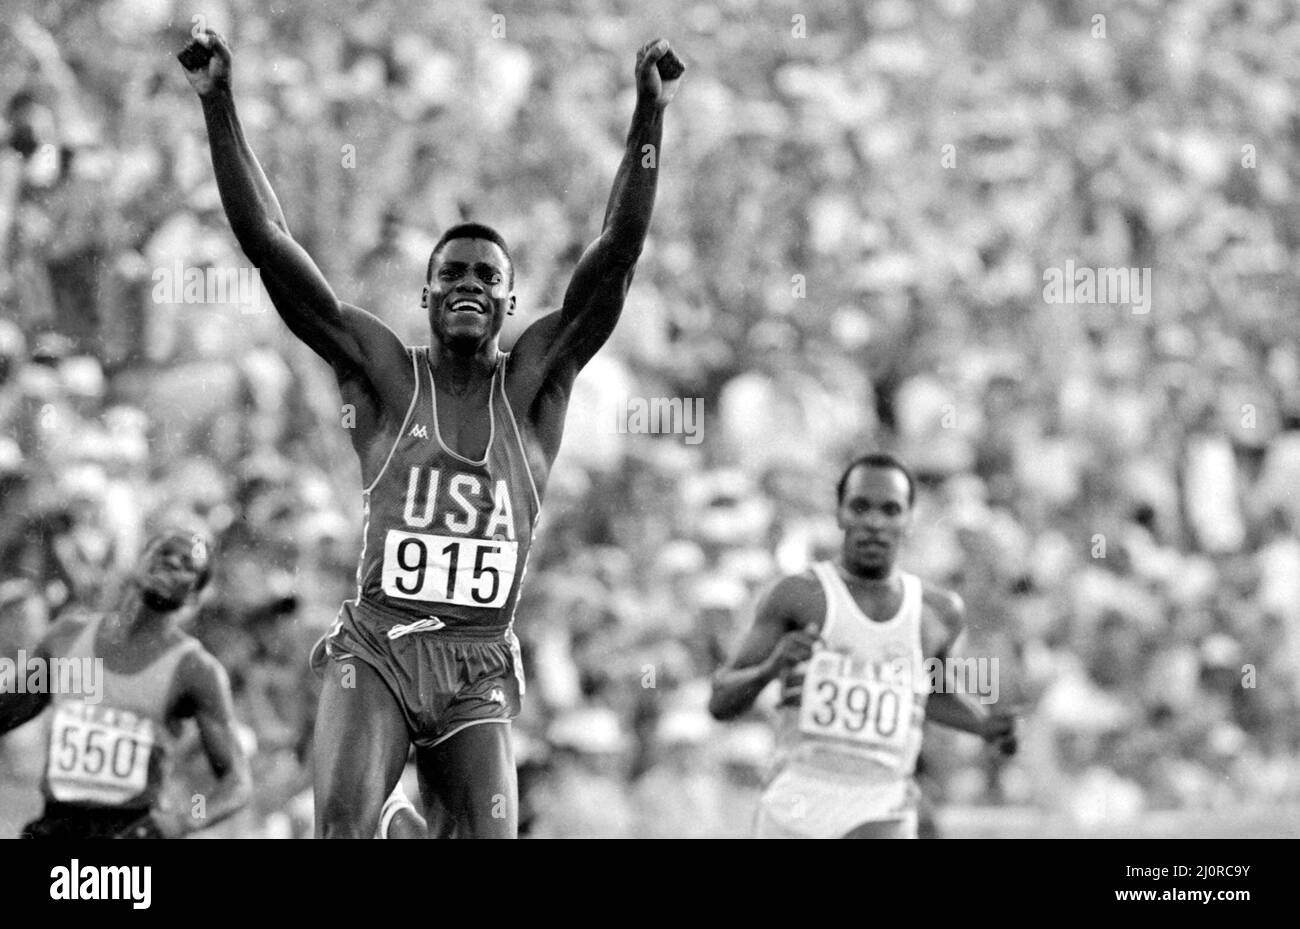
(206, 61)
(651, 84)
(793, 649)
(999, 730)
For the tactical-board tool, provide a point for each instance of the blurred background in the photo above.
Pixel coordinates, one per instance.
(856, 209)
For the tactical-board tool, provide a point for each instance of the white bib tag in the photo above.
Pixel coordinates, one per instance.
(98, 754)
(865, 705)
(448, 569)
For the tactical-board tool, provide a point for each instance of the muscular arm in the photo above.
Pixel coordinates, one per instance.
(353, 341)
(16, 708)
(207, 698)
(961, 711)
(790, 605)
(551, 352)
(595, 296)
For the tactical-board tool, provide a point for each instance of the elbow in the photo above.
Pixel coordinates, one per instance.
(257, 239)
(622, 252)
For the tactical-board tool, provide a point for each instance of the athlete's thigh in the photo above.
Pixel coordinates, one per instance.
(360, 749)
(473, 776)
(884, 829)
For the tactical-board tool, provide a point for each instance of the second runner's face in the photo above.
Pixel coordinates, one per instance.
(875, 517)
(468, 295)
(170, 570)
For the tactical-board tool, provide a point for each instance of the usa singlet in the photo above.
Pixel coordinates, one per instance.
(446, 538)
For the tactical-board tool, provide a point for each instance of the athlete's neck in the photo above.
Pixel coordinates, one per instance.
(136, 617)
(456, 371)
(869, 575)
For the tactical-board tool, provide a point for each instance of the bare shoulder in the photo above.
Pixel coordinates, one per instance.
(200, 676)
(531, 359)
(797, 599)
(945, 604)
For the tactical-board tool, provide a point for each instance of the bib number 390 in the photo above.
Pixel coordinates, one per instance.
(448, 569)
(843, 706)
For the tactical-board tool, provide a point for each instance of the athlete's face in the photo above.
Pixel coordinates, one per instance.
(170, 570)
(875, 517)
(468, 295)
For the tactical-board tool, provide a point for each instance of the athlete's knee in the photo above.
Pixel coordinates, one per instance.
(348, 802)
(338, 819)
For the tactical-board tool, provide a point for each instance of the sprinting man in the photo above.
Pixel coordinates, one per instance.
(456, 440)
(849, 641)
(113, 738)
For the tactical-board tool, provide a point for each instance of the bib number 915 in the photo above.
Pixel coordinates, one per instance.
(448, 569)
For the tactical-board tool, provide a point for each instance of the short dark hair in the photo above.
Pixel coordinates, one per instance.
(472, 231)
(877, 460)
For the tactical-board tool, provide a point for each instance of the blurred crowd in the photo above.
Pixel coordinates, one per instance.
(856, 211)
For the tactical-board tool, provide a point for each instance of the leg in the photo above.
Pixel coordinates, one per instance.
(473, 774)
(904, 828)
(399, 819)
(361, 746)
(439, 822)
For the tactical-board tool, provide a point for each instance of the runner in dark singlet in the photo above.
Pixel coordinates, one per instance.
(456, 441)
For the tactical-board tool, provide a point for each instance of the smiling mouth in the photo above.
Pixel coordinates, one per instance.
(467, 306)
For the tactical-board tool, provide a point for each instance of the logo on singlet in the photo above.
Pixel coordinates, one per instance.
(418, 432)
(420, 625)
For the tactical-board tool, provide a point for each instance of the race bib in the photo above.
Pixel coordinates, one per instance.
(98, 754)
(868, 705)
(448, 569)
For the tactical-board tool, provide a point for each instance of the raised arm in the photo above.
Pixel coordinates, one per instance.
(554, 349)
(782, 636)
(350, 339)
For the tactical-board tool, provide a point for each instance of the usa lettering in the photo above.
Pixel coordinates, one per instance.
(460, 504)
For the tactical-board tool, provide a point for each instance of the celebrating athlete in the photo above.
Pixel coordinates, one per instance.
(857, 645)
(138, 678)
(456, 440)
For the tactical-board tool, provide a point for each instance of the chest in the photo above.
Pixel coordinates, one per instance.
(465, 421)
(877, 622)
(130, 657)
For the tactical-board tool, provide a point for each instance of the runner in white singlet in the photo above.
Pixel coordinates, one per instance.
(857, 645)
